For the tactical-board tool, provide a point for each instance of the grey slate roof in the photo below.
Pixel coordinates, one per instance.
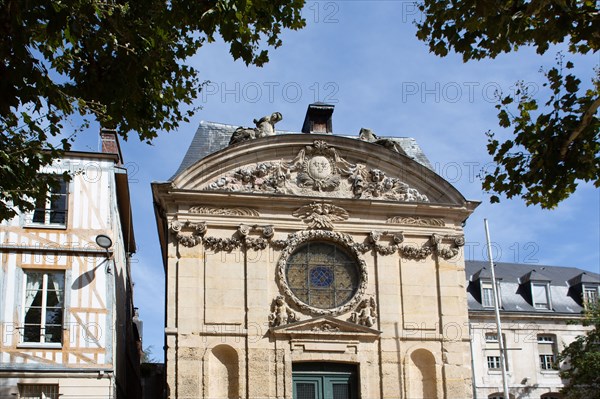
(212, 137)
(515, 286)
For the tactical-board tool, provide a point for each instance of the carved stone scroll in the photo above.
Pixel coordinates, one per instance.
(190, 239)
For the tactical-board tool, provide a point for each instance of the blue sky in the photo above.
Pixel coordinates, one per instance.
(363, 57)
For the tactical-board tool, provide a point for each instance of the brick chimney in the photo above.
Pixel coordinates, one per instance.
(110, 143)
(318, 119)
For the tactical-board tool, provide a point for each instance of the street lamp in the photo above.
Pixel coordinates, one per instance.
(105, 242)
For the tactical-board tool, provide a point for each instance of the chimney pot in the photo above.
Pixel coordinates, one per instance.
(318, 119)
(110, 143)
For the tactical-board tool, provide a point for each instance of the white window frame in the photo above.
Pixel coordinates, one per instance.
(491, 337)
(44, 308)
(547, 361)
(494, 361)
(541, 305)
(589, 288)
(487, 285)
(47, 210)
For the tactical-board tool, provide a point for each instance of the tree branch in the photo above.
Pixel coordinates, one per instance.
(585, 121)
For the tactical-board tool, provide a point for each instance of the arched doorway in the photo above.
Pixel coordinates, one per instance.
(323, 380)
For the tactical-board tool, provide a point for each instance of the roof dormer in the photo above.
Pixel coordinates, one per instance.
(537, 286)
(584, 288)
(482, 284)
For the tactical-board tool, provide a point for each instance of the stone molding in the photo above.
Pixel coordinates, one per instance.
(325, 327)
(317, 169)
(212, 210)
(416, 221)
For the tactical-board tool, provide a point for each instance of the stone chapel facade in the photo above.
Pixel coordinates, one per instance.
(312, 265)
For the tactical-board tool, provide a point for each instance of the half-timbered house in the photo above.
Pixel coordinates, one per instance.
(66, 303)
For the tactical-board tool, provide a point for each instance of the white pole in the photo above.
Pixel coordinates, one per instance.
(497, 311)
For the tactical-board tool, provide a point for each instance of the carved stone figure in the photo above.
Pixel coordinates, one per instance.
(368, 136)
(265, 126)
(281, 314)
(366, 313)
(320, 216)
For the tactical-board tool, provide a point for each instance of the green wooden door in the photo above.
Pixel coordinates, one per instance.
(320, 381)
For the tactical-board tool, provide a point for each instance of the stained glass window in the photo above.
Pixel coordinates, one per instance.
(322, 275)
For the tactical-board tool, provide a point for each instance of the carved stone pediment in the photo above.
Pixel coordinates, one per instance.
(317, 169)
(326, 326)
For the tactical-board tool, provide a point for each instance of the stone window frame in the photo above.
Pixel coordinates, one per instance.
(295, 241)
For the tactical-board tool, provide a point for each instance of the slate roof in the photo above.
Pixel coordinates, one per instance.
(515, 286)
(212, 137)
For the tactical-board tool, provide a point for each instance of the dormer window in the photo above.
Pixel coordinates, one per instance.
(540, 295)
(487, 294)
(590, 294)
(482, 282)
(585, 288)
(539, 286)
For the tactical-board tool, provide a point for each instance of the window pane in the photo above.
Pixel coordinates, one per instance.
(51, 206)
(306, 391)
(43, 319)
(322, 275)
(590, 294)
(53, 334)
(488, 297)
(491, 337)
(341, 391)
(540, 296)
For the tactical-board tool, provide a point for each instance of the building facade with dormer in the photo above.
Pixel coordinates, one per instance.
(66, 307)
(540, 309)
(312, 265)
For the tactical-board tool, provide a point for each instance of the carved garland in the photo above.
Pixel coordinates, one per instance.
(239, 239)
(297, 239)
(409, 251)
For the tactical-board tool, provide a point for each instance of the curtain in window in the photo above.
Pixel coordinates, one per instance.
(34, 285)
(57, 283)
